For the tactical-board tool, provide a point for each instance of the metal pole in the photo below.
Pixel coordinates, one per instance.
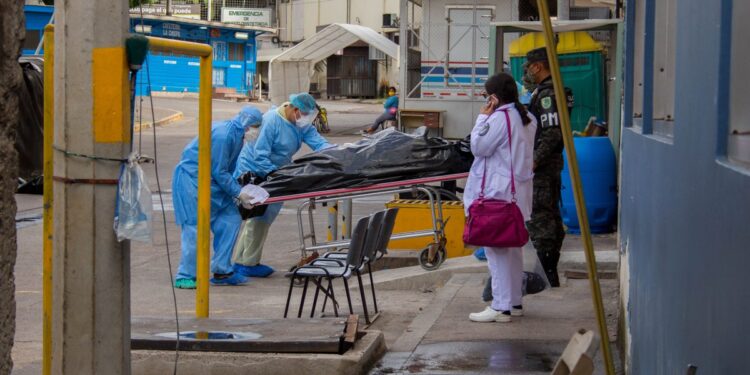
(333, 221)
(346, 218)
(403, 56)
(210, 11)
(169, 7)
(204, 188)
(575, 178)
(49, 112)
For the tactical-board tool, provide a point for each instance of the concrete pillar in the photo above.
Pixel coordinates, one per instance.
(91, 298)
(11, 34)
(563, 9)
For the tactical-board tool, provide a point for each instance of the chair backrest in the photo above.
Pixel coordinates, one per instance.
(357, 242)
(386, 230)
(373, 233)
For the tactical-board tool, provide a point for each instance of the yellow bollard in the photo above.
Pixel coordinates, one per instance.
(47, 230)
(575, 178)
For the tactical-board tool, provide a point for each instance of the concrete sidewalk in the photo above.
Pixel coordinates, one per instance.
(442, 340)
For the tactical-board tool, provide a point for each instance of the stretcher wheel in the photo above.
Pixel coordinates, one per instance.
(433, 262)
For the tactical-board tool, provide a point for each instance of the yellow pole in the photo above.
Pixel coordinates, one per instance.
(49, 112)
(204, 187)
(575, 177)
(203, 255)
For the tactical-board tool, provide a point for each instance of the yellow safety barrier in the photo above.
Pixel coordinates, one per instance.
(412, 216)
(205, 53)
(575, 178)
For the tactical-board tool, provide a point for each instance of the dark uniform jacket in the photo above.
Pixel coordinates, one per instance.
(548, 142)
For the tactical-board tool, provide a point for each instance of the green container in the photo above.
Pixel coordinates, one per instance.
(582, 72)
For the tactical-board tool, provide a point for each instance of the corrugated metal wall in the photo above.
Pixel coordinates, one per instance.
(352, 74)
(685, 208)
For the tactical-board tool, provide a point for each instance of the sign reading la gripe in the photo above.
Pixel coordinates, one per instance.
(247, 16)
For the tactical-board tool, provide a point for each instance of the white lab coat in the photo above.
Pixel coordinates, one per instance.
(489, 144)
(492, 149)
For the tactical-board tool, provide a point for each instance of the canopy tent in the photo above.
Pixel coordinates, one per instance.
(290, 71)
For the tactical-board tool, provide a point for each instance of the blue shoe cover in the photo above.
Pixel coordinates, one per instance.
(479, 254)
(261, 270)
(233, 279)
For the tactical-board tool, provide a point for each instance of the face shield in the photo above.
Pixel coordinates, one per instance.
(306, 118)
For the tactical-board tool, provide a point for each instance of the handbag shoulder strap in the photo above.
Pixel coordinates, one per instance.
(510, 147)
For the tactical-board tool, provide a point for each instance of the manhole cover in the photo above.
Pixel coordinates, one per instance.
(212, 335)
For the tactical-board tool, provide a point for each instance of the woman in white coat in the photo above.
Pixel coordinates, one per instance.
(492, 155)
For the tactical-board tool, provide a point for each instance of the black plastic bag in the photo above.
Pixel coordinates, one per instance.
(389, 156)
(30, 131)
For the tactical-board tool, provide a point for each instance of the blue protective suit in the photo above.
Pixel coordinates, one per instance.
(226, 144)
(277, 143)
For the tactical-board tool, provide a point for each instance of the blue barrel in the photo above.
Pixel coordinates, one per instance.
(598, 168)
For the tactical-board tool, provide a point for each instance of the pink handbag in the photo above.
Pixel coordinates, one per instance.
(494, 222)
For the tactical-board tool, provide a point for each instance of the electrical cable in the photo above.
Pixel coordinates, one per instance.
(164, 224)
(161, 198)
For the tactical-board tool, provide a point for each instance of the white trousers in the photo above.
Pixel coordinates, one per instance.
(506, 270)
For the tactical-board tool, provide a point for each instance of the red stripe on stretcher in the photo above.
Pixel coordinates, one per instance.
(454, 62)
(428, 93)
(445, 93)
(375, 187)
(462, 94)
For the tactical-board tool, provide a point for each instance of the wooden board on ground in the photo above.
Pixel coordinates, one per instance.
(324, 335)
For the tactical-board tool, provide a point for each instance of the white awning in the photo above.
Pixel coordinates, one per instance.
(291, 70)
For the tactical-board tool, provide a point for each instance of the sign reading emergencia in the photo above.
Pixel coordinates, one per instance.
(246, 16)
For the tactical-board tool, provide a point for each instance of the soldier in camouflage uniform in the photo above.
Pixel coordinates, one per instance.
(546, 227)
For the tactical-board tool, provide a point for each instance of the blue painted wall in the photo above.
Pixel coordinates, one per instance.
(685, 211)
(37, 17)
(179, 73)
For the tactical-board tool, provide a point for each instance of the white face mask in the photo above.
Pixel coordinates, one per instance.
(307, 119)
(252, 133)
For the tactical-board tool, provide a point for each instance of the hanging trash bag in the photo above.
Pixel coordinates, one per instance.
(134, 205)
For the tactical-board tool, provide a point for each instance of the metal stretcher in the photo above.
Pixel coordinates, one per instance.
(430, 258)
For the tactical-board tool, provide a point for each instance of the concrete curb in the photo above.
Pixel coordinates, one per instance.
(358, 360)
(416, 278)
(176, 116)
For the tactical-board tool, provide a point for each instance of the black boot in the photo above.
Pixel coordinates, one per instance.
(549, 263)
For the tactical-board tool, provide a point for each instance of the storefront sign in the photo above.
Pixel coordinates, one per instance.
(246, 16)
(178, 10)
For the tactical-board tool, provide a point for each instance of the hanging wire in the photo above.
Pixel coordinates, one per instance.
(161, 197)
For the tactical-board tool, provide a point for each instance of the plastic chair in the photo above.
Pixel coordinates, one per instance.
(333, 269)
(374, 249)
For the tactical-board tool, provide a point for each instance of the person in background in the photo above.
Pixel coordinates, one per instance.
(282, 133)
(226, 143)
(546, 227)
(390, 113)
(494, 163)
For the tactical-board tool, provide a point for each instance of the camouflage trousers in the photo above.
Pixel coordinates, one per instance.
(545, 226)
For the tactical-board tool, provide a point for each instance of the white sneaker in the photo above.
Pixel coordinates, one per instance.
(516, 312)
(489, 315)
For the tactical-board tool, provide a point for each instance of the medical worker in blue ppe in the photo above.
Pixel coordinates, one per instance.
(282, 133)
(227, 138)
